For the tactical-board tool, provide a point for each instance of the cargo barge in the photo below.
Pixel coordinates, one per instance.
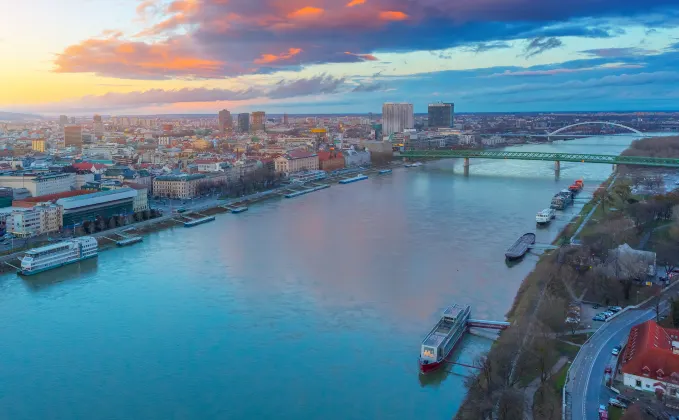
(520, 247)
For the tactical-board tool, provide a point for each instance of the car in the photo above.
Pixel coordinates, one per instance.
(596, 306)
(602, 407)
(615, 309)
(599, 318)
(616, 403)
(608, 369)
(616, 350)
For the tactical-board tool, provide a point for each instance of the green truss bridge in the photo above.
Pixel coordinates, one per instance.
(557, 158)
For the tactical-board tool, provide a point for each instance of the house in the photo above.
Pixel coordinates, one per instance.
(650, 360)
(626, 263)
(330, 161)
(295, 161)
(356, 158)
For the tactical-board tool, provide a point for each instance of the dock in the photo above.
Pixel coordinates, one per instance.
(236, 209)
(359, 177)
(199, 221)
(129, 241)
(520, 247)
(306, 191)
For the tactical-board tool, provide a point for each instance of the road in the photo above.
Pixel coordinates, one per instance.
(586, 385)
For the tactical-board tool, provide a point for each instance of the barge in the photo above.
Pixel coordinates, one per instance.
(359, 177)
(129, 241)
(196, 222)
(520, 247)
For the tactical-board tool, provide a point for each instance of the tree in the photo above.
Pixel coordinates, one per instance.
(603, 197)
(112, 222)
(667, 255)
(510, 405)
(624, 191)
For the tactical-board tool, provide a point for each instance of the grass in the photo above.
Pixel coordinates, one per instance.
(559, 379)
(615, 413)
(577, 338)
(567, 350)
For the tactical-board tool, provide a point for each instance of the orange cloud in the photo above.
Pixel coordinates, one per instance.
(182, 6)
(353, 3)
(306, 12)
(366, 57)
(393, 16)
(272, 58)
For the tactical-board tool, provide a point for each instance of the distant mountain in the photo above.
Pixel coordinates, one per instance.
(15, 116)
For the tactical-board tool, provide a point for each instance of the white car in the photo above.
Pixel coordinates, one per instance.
(617, 403)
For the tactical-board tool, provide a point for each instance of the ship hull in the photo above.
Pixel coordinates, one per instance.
(42, 270)
(430, 367)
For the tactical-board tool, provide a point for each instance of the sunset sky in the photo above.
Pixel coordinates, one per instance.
(328, 56)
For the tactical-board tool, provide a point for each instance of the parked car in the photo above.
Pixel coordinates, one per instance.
(615, 309)
(617, 403)
(608, 313)
(608, 369)
(616, 350)
(599, 317)
(596, 306)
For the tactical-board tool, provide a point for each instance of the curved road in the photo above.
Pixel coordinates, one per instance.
(586, 384)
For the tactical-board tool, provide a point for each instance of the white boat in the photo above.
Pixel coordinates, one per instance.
(545, 216)
(56, 255)
(413, 165)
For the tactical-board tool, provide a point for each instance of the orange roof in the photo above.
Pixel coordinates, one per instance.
(649, 352)
(31, 201)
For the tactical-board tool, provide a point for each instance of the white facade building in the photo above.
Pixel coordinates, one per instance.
(39, 184)
(355, 158)
(44, 218)
(397, 117)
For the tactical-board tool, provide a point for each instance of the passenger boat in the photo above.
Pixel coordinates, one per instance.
(442, 339)
(413, 165)
(520, 247)
(545, 216)
(56, 255)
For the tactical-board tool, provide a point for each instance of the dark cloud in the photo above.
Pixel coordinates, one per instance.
(539, 45)
(618, 52)
(317, 85)
(217, 38)
(370, 87)
(481, 47)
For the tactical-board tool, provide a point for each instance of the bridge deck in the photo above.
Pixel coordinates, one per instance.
(561, 157)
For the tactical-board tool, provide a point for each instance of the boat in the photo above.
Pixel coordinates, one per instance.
(442, 339)
(359, 177)
(56, 255)
(129, 241)
(545, 216)
(196, 222)
(307, 191)
(562, 199)
(384, 171)
(240, 209)
(577, 186)
(413, 165)
(520, 247)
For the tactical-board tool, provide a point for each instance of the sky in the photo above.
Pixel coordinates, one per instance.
(79, 57)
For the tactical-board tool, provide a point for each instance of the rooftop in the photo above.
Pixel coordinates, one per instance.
(93, 195)
(181, 177)
(649, 352)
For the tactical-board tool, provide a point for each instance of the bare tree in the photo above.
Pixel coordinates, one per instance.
(510, 405)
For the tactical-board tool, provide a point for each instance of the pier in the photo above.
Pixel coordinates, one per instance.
(493, 325)
(235, 209)
(306, 191)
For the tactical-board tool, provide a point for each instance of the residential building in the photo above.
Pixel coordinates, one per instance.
(397, 117)
(258, 121)
(44, 218)
(295, 161)
(38, 145)
(39, 183)
(209, 165)
(141, 200)
(244, 122)
(440, 115)
(73, 136)
(102, 204)
(650, 360)
(330, 161)
(356, 158)
(177, 186)
(225, 121)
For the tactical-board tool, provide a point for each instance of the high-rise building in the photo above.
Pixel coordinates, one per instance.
(72, 120)
(63, 120)
(285, 119)
(441, 115)
(38, 145)
(244, 122)
(225, 122)
(73, 136)
(98, 126)
(397, 117)
(258, 120)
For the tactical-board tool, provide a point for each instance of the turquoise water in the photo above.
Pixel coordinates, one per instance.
(312, 307)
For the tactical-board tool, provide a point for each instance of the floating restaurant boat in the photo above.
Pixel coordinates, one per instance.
(129, 241)
(196, 222)
(56, 255)
(359, 177)
(412, 165)
(545, 216)
(442, 339)
(384, 171)
(520, 247)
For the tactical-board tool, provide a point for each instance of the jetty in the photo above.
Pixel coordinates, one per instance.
(233, 208)
(359, 177)
(520, 247)
(198, 221)
(306, 191)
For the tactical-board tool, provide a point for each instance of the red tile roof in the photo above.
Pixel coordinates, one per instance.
(87, 166)
(300, 154)
(323, 156)
(32, 201)
(649, 352)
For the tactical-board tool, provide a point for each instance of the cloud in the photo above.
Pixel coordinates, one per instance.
(228, 38)
(370, 87)
(618, 52)
(365, 57)
(539, 45)
(322, 84)
(273, 58)
(564, 70)
(481, 47)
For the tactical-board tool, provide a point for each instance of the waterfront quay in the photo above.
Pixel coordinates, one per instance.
(184, 322)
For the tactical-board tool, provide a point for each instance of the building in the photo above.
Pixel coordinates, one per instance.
(397, 117)
(285, 119)
(356, 158)
(330, 161)
(141, 201)
(38, 145)
(73, 136)
(102, 204)
(63, 120)
(441, 115)
(34, 221)
(210, 165)
(258, 121)
(177, 186)
(98, 126)
(244, 122)
(225, 121)
(650, 360)
(295, 161)
(39, 183)
(30, 202)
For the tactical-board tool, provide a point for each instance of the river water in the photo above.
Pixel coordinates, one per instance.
(306, 308)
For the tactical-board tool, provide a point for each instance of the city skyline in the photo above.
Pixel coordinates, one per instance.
(156, 57)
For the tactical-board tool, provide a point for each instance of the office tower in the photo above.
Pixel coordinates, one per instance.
(225, 122)
(441, 115)
(285, 119)
(63, 120)
(73, 136)
(397, 117)
(98, 126)
(258, 119)
(244, 122)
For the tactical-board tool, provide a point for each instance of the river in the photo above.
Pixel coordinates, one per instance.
(306, 308)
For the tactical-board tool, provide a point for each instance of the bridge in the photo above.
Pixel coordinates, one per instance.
(555, 133)
(554, 157)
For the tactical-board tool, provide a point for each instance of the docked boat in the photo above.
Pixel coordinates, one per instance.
(520, 247)
(442, 339)
(562, 199)
(545, 216)
(56, 255)
(384, 171)
(577, 186)
(359, 177)
(413, 165)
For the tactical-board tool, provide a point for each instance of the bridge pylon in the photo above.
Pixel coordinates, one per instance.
(557, 166)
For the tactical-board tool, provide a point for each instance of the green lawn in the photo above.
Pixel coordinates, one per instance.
(559, 380)
(566, 349)
(614, 413)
